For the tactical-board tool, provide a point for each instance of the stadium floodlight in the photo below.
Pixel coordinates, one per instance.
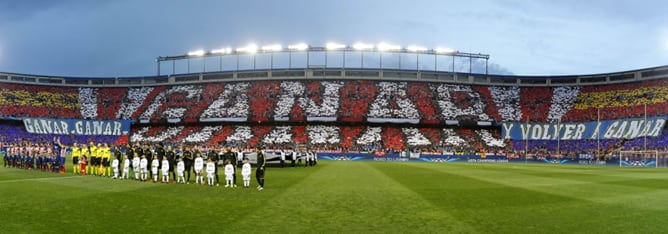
(444, 51)
(222, 51)
(362, 46)
(252, 48)
(276, 47)
(386, 47)
(196, 53)
(334, 46)
(300, 46)
(416, 48)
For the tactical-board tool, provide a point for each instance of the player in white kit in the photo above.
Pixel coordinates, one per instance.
(180, 168)
(143, 164)
(246, 173)
(210, 170)
(114, 166)
(126, 168)
(229, 173)
(165, 170)
(135, 167)
(154, 168)
(199, 164)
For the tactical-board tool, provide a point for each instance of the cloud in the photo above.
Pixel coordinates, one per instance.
(18, 10)
(118, 38)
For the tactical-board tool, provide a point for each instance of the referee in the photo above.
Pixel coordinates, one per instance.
(259, 172)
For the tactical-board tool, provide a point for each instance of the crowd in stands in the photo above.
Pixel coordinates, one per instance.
(347, 101)
(562, 100)
(306, 104)
(131, 103)
(619, 101)
(232, 102)
(38, 101)
(460, 102)
(392, 102)
(329, 137)
(507, 100)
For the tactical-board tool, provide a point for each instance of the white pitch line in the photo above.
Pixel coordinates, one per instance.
(43, 178)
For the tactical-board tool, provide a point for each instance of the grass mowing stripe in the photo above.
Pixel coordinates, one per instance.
(639, 193)
(13, 173)
(96, 204)
(500, 208)
(352, 197)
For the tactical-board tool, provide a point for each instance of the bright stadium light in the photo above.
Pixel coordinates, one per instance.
(300, 46)
(386, 47)
(416, 48)
(196, 53)
(222, 51)
(334, 46)
(362, 46)
(444, 51)
(252, 48)
(276, 47)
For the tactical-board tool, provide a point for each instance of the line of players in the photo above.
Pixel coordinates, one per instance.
(96, 159)
(165, 160)
(309, 157)
(34, 156)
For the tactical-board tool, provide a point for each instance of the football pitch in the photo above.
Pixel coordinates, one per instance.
(349, 197)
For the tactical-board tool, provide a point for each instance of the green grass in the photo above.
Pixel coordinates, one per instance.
(349, 197)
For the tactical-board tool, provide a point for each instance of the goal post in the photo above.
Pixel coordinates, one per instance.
(643, 158)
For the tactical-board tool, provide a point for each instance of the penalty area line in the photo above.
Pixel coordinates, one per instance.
(37, 179)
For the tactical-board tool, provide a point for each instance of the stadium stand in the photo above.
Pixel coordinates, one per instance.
(339, 114)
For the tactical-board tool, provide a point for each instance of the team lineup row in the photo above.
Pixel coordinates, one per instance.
(140, 170)
(133, 161)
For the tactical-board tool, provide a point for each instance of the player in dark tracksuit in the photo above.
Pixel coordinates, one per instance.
(213, 155)
(5, 157)
(171, 158)
(160, 152)
(259, 172)
(232, 157)
(188, 161)
(149, 156)
(129, 154)
(139, 152)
